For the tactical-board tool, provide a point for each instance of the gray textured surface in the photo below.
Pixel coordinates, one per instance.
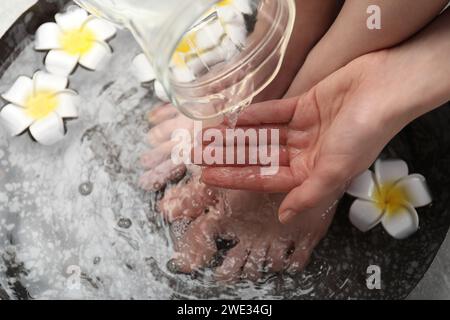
(10, 10)
(436, 283)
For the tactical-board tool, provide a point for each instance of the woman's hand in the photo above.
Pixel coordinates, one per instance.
(336, 130)
(331, 134)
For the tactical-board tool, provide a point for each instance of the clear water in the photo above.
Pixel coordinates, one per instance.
(73, 221)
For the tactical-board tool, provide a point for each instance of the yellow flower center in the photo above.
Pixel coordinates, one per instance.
(78, 41)
(390, 198)
(224, 3)
(189, 42)
(186, 45)
(41, 104)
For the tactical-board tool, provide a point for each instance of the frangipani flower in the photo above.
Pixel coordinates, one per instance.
(144, 72)
(243, 6)
(40, 105)
(76, 37)
(217, 37)
(231, 15)
(388, 196)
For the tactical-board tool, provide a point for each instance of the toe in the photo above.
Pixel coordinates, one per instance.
(162, 113)
(231, 268)
(163, 131)
(254, 265)
(198, 246)
(277, 256)
(299, 259)
(155, 157)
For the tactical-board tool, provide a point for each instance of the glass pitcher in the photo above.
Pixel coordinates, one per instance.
(210, 56)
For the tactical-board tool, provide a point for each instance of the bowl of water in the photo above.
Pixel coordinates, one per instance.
(74, 223)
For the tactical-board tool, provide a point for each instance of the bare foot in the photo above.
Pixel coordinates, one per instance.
(202, 216)
(159, 167)
(249, 221)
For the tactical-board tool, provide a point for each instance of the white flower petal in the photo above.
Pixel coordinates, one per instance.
(416, 189)
(196, 66)
(97, 57)
(243, 5)
(228, 48)
(183, 75)
(363, 186)
(60, 62)
(234, 23)
(48, 37)
(401, 224)
(213, 57)
(389, 171)
(143, 69)
(44, 81)
(209, 36)
(228, 14)
(160, 92)
(20, 91)
(15, 119)
(67, 107)
(48, 130)
(365, 215)
(237, 33)
(72, 19)
(102, 29)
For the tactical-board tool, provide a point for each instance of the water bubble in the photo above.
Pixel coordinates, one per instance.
(209, 192)
(157, 186)
(97, 260)
(109, 161)
(124, 223)
(86, 188)
(179, 228)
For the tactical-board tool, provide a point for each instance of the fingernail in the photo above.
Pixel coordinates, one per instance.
(173, 267)
(287, 215)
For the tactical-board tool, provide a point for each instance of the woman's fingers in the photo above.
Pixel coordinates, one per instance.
(241, 156)
(162, 113)
(231, 268)
(253, 267)
(270, 112)
(197, 248)
(327, 181)
(277, 179)
(245, 135)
